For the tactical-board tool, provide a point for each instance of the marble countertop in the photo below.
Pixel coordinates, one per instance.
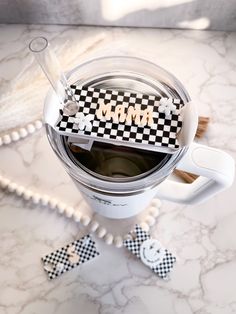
(204, 279)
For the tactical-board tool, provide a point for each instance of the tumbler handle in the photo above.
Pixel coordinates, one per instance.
(216, 173)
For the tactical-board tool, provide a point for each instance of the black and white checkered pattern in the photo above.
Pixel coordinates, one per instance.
(163, 132)
(165, 266)
(133, 244)
(137, 237)
(84, 247)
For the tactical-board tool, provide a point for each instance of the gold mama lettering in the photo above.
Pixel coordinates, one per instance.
(134, 114)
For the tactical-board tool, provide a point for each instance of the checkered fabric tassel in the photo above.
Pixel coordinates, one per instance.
(70, 256)
(150, 251)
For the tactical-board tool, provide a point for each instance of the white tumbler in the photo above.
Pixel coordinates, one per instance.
(118, 182)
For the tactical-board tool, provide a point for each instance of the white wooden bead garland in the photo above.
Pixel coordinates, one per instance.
(74, 213)
(21, 133)
(61, 207)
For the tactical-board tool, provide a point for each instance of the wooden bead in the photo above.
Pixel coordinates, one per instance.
(94, 225)
(27, 195)
(4, 183)
(12, 187)
(144, 226)
(85, 220)
(108, 238)
(77, 215)
(61, 207)
(35, 198)
(23, 133)
(38, 124)
(69, 211)
(156, 202)
(53, 203)
(45, 200)
(15, 136)
(20, 190)
(6, 139)
(150, 220)
(154, 211)
(30, 128)
(118, 241)
(101, 232)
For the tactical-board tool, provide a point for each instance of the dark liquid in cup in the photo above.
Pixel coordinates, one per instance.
(116, 162)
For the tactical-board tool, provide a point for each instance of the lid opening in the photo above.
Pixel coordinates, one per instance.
(117, 163)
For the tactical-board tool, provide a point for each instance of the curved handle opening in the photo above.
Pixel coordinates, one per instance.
(215, 169)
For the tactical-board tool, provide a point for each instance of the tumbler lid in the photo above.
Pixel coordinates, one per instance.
(123, 118)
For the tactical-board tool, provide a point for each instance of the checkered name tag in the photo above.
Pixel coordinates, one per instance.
(127, 118)
(70, 256)
(150, 251)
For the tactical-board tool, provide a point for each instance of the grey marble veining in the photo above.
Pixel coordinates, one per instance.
(204, 279)
(192, 14)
